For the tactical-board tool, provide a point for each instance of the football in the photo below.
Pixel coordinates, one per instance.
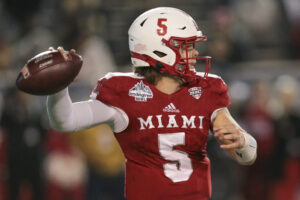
(49, 72)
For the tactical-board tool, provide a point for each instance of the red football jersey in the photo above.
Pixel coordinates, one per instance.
(165, 141)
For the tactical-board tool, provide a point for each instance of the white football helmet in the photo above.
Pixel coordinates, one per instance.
(156, 36)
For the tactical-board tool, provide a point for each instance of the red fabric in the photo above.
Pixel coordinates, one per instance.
(145, 174)
(287, 188)
(58, 141)
(58, 193)
(261, 124)
(257, 181)
(3, 165)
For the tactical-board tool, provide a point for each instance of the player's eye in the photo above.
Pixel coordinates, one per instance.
(191, 46)
(188, 46)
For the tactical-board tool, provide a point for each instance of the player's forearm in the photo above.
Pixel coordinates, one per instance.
(67, 116)
(60, 111)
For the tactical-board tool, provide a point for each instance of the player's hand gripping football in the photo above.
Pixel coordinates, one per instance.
(61, 50)
(49, 72)
(230, 136)
(64, 52)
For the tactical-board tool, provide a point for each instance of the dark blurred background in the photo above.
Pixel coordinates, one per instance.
(255, 45)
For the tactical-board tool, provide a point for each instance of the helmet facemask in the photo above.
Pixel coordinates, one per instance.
(185, 66)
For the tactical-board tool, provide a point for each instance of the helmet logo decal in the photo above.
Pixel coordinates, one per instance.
(140, 92)
(140, 47)
(162, 30)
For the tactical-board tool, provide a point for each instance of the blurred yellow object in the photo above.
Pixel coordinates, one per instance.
(101, 149)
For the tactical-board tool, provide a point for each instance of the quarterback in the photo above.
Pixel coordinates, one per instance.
(162, 112)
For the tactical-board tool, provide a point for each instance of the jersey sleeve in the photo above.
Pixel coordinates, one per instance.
(107, 91)
(219, 96)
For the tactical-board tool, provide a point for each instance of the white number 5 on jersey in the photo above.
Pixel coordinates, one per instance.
(180, 168)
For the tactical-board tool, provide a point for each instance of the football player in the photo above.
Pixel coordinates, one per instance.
(162, 112)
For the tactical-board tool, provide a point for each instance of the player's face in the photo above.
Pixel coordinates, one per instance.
(189, 51)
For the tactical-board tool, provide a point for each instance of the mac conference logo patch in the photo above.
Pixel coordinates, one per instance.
(195, 92)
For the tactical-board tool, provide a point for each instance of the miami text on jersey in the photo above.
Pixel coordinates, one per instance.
(192, 122)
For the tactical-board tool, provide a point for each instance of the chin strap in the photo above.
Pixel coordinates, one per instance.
(180, 69)
(189, 76)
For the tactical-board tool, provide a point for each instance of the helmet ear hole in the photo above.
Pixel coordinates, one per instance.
(159, 54)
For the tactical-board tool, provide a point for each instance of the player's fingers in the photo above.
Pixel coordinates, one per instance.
(220, 136)
(221, 131)
(72, 51)
(232, 145)
(221, 128)
(231, 137)
(216, 128)
(51, 49)
(226, 130)
(60, 49)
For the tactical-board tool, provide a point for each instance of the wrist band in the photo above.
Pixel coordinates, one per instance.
(247, 153)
